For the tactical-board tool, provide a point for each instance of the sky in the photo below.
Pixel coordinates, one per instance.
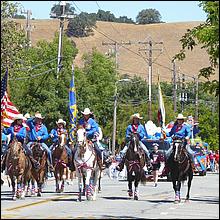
(171, 11)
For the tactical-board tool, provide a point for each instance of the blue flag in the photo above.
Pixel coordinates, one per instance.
(72, 106)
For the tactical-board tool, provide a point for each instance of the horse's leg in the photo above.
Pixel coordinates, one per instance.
(63, 177)
(99, 187)
(130, 192)
(136, 182)
(84, 185)
(80, 176)
(33, 191)
(190, 177)
(14, 197)
(89, 188)
(19, 186)
(40, 182)
(97, 178)
(177, 194)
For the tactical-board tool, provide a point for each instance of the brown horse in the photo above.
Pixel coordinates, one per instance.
(60, 161)
(134, 161)
(18, 168)
(39, 175)
(180, 168)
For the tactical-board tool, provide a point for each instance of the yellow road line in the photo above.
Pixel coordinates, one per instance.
(36, 203)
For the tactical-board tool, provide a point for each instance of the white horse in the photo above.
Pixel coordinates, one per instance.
(87, 169)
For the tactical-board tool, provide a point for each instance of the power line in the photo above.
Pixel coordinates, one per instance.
(33, 76)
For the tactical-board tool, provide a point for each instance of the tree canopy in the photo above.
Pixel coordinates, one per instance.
(207, 35)
(148, 16)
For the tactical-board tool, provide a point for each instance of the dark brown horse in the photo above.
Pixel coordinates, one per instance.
(39, 175)
(18, 168)
(134, 161)
(60, 161)
(180, 168)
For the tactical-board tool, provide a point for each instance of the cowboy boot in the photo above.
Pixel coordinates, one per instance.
(120, 166)
(34, 162)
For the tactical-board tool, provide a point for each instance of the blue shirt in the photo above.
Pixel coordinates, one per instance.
(91, 127)
(4, 138)
(33, 134)
(181, 133)
(140, 130)
(54, 132)
(20, 135)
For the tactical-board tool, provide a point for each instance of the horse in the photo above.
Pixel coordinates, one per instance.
(87, 169)
(39, 175)
(180, 168)
(60, 161)
(135, 162)
(18, 168)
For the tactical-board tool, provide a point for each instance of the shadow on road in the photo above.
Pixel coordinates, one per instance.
(209, 200)
(116, 198)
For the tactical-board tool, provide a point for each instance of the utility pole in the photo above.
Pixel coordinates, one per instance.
(28, 14)
(174, 85)
(196, 99)
(150, 71)
(116, 48)
(182, 94)
(62, 19)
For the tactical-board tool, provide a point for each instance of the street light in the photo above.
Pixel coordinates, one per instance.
(115, 114)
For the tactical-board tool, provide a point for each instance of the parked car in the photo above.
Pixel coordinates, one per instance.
(200, 160)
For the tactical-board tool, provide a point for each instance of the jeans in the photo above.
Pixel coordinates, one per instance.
(4, 149)
(141, 145)
(29, 151)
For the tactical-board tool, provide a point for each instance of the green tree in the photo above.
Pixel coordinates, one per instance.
(207, 35)
(12, 39)
(148, 16)
(81, 25)
(56, 10)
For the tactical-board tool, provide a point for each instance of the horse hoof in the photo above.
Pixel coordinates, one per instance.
(14, 198)
(39, 194)
(135, 197)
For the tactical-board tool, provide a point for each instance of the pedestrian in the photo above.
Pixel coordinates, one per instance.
(156, 159)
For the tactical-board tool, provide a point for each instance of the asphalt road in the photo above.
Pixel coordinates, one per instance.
(113, 202)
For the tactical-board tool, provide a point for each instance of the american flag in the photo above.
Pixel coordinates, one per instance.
(8, 109)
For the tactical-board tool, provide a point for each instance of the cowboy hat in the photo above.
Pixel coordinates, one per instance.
(86, 111)
(38, 115)
(61, 121)
(27, 115)
(180, 116)
(18, 117)
(136, 115)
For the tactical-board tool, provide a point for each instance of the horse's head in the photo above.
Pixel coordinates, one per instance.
(134, 142)
(62, 139)
(81, 139)
(178, 145)
(37, 150)
(15, 149)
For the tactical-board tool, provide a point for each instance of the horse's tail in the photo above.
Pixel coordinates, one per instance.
(143, 177)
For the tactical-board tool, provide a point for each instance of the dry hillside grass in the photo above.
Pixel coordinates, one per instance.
(130, 63)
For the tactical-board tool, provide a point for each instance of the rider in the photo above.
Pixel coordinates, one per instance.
(38, 132)
(92, 133)
(134, 127)
(181, 130)
(19, 131)
(61, 124)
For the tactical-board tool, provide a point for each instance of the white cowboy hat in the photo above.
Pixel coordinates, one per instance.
(27, 115)
(38, 115)
(86, 111)
(18, 117)
(180, 116)
(61, 121)
(136, 115)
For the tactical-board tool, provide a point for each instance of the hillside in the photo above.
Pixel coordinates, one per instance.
(129, 62)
